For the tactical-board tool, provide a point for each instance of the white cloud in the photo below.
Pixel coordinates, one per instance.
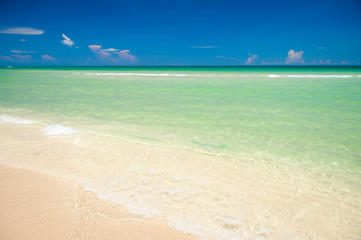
(112, 55)
(22, 31)
(251, 59)
(17, 58)
(295, 57)
(19, 51)
(228, 58)
(99, 52)
(125, 55)
(111, 50)
(48, 58)
(6, 58)
(94, 47)
(204, 47)
(67, 41)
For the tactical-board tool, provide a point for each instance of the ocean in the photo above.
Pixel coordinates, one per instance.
(219, 152)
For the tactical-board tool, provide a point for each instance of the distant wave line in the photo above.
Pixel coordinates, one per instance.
(311, 76)
(134, 74)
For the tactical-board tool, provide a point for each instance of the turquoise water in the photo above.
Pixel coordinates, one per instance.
(291, 124)
(301, 114)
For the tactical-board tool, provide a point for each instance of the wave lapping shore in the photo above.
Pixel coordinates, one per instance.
(192, 191)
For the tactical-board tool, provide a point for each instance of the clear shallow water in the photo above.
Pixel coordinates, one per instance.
(302, 118)
(298, 114)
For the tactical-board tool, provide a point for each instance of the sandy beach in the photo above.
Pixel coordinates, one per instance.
(41, 197)
(34, 205)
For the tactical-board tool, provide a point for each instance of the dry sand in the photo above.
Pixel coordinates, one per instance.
(34, 205)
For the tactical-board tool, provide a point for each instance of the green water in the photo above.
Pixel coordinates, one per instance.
(310, 116)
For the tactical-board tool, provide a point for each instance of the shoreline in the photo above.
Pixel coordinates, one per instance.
(143, 179)
(34, 205)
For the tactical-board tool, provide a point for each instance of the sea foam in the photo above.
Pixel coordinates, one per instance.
(58, 129)
(10, 119)
(136, 74)
(318, 76)
(309, 76)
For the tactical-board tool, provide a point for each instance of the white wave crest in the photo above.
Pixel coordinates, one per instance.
(274, 76)
(319, 76)
(58, 129)
(136, 74)
(310, 76)
(10, 119)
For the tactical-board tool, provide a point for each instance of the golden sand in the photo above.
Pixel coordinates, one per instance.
(37, 206)
(205, 194)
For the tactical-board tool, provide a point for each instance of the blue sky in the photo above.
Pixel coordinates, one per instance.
(180, 32)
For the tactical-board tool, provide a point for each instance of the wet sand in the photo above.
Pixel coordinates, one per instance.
(40, 197)
(34, 205)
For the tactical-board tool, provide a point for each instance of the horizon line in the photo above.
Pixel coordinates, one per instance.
(245, 66)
